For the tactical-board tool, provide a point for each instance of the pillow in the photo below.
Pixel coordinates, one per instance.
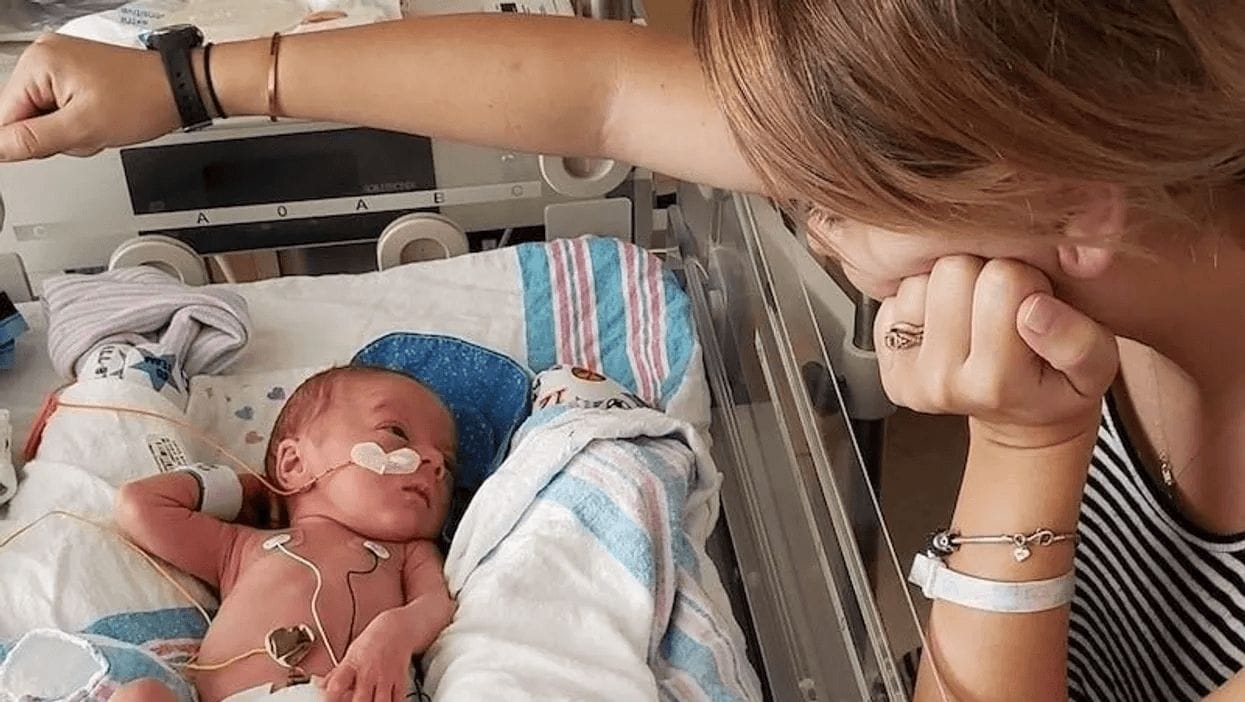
(488, 393)
(239, 411)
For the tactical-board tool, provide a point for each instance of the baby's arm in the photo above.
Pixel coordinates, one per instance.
(377, 663)
(159, 514)
(429, 605)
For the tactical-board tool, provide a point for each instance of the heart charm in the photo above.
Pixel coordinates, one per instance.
(288, 646)
(1021, 553)
(246, 413)
(277, 393)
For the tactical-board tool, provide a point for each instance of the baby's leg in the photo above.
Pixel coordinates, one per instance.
(146, 690)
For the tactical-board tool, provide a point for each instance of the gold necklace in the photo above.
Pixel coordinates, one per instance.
(1166, 472)
(1165, 464)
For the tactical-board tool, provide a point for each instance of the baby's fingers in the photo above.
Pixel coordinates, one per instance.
(339, 683)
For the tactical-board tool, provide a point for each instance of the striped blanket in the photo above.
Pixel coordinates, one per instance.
(601, 304)
(581, 574)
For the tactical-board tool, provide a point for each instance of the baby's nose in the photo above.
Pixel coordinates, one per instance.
(433, 464)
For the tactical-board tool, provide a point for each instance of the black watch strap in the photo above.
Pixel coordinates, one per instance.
(174, 51)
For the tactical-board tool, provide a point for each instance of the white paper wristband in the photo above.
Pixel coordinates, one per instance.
(939, 582)
(220, 490)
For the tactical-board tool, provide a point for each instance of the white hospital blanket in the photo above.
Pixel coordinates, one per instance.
(69, 575)
(580, 570)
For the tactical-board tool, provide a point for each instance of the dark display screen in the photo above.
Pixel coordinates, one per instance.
(236, 181)
(276, 169)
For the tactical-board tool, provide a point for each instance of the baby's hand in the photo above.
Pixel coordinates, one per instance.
(377, 665)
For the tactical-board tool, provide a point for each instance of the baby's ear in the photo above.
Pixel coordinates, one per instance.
(289, 469)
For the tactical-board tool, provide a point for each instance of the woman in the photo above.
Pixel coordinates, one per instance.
(1019, 181)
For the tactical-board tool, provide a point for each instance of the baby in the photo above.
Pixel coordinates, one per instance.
(335, 606)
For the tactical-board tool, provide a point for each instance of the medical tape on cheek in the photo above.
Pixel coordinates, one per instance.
(371, 456)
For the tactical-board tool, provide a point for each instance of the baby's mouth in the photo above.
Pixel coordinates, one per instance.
(418, 490)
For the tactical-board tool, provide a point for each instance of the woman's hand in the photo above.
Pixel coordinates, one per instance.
(994, 344)
(78, 97)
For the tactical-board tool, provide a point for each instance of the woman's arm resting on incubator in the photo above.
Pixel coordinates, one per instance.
(534, 84)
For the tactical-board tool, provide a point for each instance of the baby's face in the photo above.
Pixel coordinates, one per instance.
(393, 412)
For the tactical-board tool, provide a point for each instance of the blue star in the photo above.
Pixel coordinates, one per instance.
(160, 368)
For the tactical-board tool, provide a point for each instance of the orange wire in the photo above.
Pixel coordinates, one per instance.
(201, 436)
(133, 546)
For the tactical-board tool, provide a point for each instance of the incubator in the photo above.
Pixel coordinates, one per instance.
(796, 402)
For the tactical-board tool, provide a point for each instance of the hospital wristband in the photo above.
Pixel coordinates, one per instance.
(939, 582)
(220, 490)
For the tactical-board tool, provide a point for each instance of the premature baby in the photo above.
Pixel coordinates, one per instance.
(335, 606)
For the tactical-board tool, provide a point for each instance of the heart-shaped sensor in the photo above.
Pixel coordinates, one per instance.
(370, 455)
(288, 646)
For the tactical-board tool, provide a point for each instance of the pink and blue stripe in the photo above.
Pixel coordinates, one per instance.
(609, 306)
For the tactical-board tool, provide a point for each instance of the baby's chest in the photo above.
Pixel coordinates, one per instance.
(290, 567)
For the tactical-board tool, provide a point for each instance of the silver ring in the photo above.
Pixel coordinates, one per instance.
(904, 336)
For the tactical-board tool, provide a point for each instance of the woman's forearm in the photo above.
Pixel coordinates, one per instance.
(534, 84)
(988, 656)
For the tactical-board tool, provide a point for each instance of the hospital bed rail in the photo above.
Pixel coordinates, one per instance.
(812, 553)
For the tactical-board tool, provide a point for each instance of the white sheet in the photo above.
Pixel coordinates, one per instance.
(65, 574)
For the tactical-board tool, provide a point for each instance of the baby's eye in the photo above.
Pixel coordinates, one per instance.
(397, 431)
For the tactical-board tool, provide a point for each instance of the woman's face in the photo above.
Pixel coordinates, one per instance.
(876, 260)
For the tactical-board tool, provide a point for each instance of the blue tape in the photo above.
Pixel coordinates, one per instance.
(12, 325)
(7, 355)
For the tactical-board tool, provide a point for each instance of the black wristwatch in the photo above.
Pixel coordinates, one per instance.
(174, 44)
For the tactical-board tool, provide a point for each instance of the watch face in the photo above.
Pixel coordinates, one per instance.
(175, 29)
(187, 34)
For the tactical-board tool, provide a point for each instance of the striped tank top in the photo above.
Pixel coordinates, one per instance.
(1159, 609)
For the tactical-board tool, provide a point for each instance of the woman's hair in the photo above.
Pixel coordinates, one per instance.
(981, 116)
